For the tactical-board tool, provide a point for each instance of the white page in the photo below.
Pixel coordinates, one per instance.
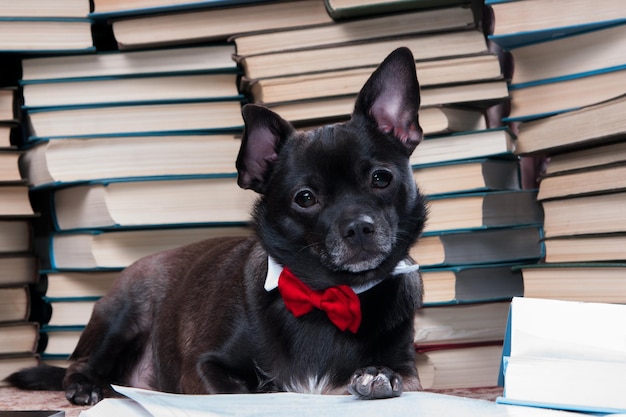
(420, 404)
(568, 329)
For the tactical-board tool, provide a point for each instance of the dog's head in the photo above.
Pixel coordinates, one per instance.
(339, 203)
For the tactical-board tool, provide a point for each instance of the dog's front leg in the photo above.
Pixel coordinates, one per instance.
(375, 382)
(224, 374)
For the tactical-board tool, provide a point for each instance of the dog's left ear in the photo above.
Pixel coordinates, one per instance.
(391, 98)
(263, 136)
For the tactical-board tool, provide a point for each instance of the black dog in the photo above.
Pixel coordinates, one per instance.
(337, 213)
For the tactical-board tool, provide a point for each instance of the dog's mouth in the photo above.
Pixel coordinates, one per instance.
(357, 246)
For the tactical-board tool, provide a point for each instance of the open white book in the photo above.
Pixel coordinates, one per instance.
(146, 403)
(566, 355)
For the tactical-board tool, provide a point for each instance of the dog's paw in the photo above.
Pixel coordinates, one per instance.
(83, 393)
(375, 382)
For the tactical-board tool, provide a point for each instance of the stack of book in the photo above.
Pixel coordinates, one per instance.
(18, 264)
(466, 165)
(41, 26)
(568, 97)
(133, 151)
(128, 153)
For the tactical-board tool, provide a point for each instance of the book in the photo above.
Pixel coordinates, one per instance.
(118, 249)
(589, 157)
(460, 366)
(145, 119)
(482, 246)
(602, 213)
(76, 284)
(601, 282)
(483, 210)
(334, 83)
(359, 30)
(460, 324)
(45, 35)
(565, 95)
(569, 56)
(113, 9)
(70, 312)
(552, 343)
(9, 134)
(591, 125)
(426, 46)
(132, 90)
(171, 201)
(15, 362)
(346, 9)
(8, 104)
(44, 8)
(74, 160)
(463, 146)
(14, 304)
(511, 23)
(15, 235)
(9, 166)
(587, 248)
(480, 93)
(465, 284)
(200, 25)
(583, 182)
(19, 337)
(102, 64)
(466, 175)
(14, 200)
(59, 341)
(440, 120)
(18, 269)
(151, 403)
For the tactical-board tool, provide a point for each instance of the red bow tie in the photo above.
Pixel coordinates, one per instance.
(341, 304)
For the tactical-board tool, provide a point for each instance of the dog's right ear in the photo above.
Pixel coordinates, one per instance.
(263, 137)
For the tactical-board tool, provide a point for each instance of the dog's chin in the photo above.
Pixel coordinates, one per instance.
(358, 263)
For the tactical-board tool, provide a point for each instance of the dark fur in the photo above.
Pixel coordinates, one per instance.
(197, 319)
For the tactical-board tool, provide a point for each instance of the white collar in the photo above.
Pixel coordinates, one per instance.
(274, 269)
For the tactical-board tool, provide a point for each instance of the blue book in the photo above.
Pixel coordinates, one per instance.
(497, 173)
(483, 210)
(152, 202)
(565, 94)
(101, 12)
(132, 90)
(180, 117)
(514, 23)
(480, 246)
(96, 250)
(586, 53)
(471, 284)
(166, 61)
(46, 35)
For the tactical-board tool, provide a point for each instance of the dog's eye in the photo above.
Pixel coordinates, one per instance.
(305, 199)
(381, 179)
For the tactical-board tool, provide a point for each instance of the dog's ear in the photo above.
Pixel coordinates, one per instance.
(391, 98)
(263, 136)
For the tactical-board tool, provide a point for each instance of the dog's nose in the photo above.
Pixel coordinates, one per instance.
(358, 231)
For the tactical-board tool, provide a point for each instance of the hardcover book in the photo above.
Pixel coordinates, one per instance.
(170, 201)
(359, 30)
(483, 210)
(427, 46)
(76, 160)
(514, 23)
(601, 282)
(466, 284)
(117, 249)
(550, 343)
